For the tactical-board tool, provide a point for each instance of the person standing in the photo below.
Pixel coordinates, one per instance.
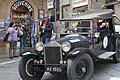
(12, 30)
(22, 36)
(46, 30)
(33, 33)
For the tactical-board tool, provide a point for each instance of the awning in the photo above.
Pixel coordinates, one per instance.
(99, 14)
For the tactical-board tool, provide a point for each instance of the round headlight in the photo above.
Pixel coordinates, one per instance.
(66, 46)
(39, 46)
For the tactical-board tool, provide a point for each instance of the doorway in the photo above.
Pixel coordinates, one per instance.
(22, 12)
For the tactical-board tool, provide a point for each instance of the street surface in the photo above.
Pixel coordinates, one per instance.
(105, 70)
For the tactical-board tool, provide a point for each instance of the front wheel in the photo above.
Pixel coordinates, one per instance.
(81, 68)
(27, 71)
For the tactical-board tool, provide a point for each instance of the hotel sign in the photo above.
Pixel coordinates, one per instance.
(78, 3)
(50, 4)
(22, 3)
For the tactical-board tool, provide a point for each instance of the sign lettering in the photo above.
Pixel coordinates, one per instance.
(50, 4)
(22, 3)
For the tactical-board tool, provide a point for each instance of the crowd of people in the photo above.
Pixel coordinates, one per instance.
(17, 32)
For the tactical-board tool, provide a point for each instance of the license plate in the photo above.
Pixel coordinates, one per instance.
(54, 68)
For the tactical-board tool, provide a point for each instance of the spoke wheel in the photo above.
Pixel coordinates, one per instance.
(81, 68)
(27, 70)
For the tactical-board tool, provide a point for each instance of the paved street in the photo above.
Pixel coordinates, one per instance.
(105, 70)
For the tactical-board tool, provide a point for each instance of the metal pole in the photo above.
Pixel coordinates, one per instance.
(91, 4)
(55, 13)
(55, 28)
(71, 9)
(42, 4)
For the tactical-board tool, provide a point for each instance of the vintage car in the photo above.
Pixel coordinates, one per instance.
(74, 53)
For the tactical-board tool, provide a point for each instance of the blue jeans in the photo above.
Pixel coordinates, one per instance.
(22, 44)
(32, 41)
(45, 40)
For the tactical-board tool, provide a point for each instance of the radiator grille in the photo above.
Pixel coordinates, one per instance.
(53, 55)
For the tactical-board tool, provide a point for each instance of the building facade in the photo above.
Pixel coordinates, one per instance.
(65, 8)
(70, 7)
(20, 9)
(106, 4)
(53, 7)
(50, 7)
(27, 12)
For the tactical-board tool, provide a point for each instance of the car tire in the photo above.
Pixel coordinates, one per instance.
(80, 68)
(116, 56)
(26, 72)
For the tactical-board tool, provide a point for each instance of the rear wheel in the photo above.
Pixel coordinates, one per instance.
(81, 68)
(116, 57)
(27, 71)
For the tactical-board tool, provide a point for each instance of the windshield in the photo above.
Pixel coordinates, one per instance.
(117, 24)
(116, 20)
(75, 27)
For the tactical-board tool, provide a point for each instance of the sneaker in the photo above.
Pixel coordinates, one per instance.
(11, 57)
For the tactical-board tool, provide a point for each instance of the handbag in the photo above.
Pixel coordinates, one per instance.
(9, 38)
(20, 33)
(6, 36)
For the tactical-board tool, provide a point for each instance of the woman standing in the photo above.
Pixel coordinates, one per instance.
(12, 30)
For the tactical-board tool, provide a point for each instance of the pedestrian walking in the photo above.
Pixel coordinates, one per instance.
(12, 30)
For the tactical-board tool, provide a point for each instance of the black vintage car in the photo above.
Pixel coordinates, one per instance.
(75, 53)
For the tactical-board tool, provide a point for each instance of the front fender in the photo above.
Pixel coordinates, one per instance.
(77, 51)
(26, 54)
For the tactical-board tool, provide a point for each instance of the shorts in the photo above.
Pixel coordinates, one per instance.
(13, 44)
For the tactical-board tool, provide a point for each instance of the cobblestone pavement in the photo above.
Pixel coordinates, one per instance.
(104, 70)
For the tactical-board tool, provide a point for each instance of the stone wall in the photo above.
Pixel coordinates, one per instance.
(5, 7)
(4, 49)
(93, 4)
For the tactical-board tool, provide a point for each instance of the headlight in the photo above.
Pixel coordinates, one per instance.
(39, 46)
(66, 46)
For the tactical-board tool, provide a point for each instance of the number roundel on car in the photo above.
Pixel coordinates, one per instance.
(105, 42)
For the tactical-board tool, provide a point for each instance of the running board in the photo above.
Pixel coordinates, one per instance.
(106, 55)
